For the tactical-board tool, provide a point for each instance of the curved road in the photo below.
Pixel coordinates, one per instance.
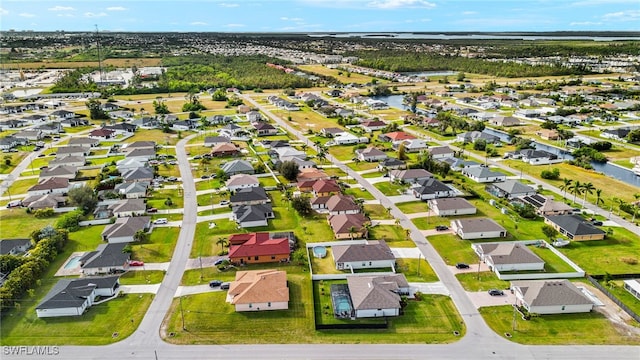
(480, 341)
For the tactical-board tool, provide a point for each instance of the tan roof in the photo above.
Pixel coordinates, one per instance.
(371, 251)
(376, 292)
(341, 203)
(50, 183)
(509, 253)
(343, 222)
(550, 292)
(242, 179)
(311, 174)
(224, 147)
(259, 286)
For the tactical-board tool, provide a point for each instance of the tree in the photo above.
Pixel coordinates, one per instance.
(222, 242)
(84, 198)
(587, 188)
(402, 152)
(289, 169)
(634, 136)
(302, 205)
(95, 110)
(576, 189)
(219, 95)
(141, 236)
(599, 197)
(461, 76)
(566, 184)
(552, 174)
(70, 220)
(160, 107)
(549, 231)
(7, 160)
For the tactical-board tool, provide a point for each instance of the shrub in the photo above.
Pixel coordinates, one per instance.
(43, 213)
(553, 174)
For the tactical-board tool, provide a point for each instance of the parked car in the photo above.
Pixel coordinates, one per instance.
(225, 202)
(220, 261)
(136, 263)
(597, 223)
(14, 203)
(462, 266)
(496, 292)
(204, 177)
(161, 221)
(442, 228)
(152, 210)
(215, 283)
(225, 286)
(197, 157)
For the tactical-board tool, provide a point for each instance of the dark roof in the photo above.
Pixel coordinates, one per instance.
(575, 225)
(371, 251)
(431, 186)
(252, 212)
(249, 194)
(73, 292)
(388, 162)
(7, 245)
(106, 255)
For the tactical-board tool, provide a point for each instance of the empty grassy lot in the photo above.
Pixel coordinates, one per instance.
(413, 207)
(558, 329)
(377, 212)
(394, 235)
(142, 277)
(481, 281)
(159, 247)
(389, 189)
(341, 75)
(359, 193)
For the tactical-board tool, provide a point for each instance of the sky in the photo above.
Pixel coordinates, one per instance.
(320, 15)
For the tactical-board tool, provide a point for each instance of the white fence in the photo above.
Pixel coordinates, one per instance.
(64, 209)
(95, 222)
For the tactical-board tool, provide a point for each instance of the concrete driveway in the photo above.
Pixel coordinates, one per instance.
(197, 289)
(483, 299)
(140, 289)
(407, 253)
(437, 288)
(150, 266)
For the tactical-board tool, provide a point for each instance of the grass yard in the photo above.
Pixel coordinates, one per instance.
(394, 235)
(167, 170)
(306, 119)
(267, 181)
(16, 223)
(430, 222)
(389, 189)
(159, 197)
(453, 250)
(552, 262)
(15, 159)
(616, 287)
(159, 247)
(556, 329)
(209, 184)
(413, 207)
(20, 187)
(377, 212)
(481, 281)
(341, 75)
(363, 165)
(371, 174)
(324, 265)
(204, 242)
(409, 267)
(156, 135)
(343, 152)
(142, 277)
(359, 193)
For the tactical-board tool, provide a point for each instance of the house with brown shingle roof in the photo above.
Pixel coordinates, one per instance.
(508, 257)
(377, 296)
(372, 254)
(224, 149)
(550, 297)
(343, 224)
(324, 187)
(259, 290)
(52, 185)
(342, 204)
(311, 174)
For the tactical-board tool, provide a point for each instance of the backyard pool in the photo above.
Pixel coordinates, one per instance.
(341, 301)
(73, 263)
(319, 251)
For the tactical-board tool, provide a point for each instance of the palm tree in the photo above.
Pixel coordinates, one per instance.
(587, 188)
(352, 231)
(620, 202)
(635, 206)
(367, 227)
(222, 242)
(576, 189)
(599, 197)
(566, 184)
(397, 222)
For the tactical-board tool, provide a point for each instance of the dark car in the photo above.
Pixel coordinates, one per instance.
(215, 283)
(496, 292)
(462, 266)
(204, 177)
(597, 223)
(442, 228)
(219, 261)
(225, 286)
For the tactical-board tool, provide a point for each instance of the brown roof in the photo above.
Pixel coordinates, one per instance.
(509, 253)
(550, 293)
(411, 173)
(371, 251)
(376, 292)
(343, 222)
(341, 203)
(324, 185)
(311, 174)
(51, 183)
(224, 148)
(259, 286)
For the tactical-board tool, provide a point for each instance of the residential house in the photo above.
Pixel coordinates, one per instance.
(37, 202)
(145, 123)
(373, 254)
(12, 124)
(548, 134)
(265, 129)
(471, 136)
(440, 152)
(504, 121)
(30, 135)
(377, 296)
(72, 297)
(550, 297)
(63, 151)
(432, 189)
(107, 259)
(483, 175)
(259, 290)
(254, 116)
(75, 122)
(345, 113)
(331, 132)
(59, 171)
(391, 164)
(139, 145)
(211, 141)
(370, 154)
(508, 257)
(230, 131)
(410, 176)
(125, 229)
(9, 142)
(62, 114)
(477, 228)
(619, 134)
(122, 128)
(633, 287)
(258, 248)
(324, 187)
(109, 106)
(224, 149)
(241, 181)
(451, 206)
(412, 146)
(575, 227)
(249, 196)
(184, 125)
(346, 138)
(342, 204)
(537, 157)
(457, 164)
(102, 134)
(546, 206)
(130, 163)
(235, 167)
(253, 215)
(311, 174)
(349, 226)
(52, 185)
(373, 125)
(144, 174)
(84, 142)
(14, 246)
(510, 189)
(34, 119)
(396, 136)
(128, 207)
(133, 190)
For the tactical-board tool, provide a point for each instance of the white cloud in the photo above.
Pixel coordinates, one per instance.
(27, 15)
(469, 12)
(92, 15)
(3, 11)
(198, 23)
(61, 8)
(396, 4)
(235, 25)
(629, 15)
(229, 5)
(116, 8)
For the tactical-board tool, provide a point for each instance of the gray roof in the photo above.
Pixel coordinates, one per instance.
(439, 150)
(236, 166)
(141, 173)
(471, 225)
(216, 139)
(127, 226)
(107, 255)
(7, 245)
(59, 170)
(550, 293)
(454, 203)
(509, 253)
(411, 174)
(249, 194)
(575, 225)
(376, 292)
(258, 212)
(74, 292)
(388, 162)
(371, 151)
(128, 205)
(431, 186)
(514, 187)
(71, 150)
(141, 152)
(67, 160)
(482, 172)
(371, 251)
(136, 187)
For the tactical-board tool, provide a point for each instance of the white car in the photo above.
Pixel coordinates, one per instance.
(161, 221)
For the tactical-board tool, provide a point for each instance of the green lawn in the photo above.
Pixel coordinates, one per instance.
(209, 184)
(377, 212)
(363, 165)
(204, 242)
(616, 287)
(359, 193)
(325, 265)
(343, 152)
(552, 262)
(160, 246)
(16, 223)
(268, 181)
(409, 267)
(158, 198)
(412, 207)
(430, 222)
(96, 327)
(20, 187)
(556, 329)
(394, 235)
(388, 188)
(15, 159)
(156, 135)
(481, 281)
(142, 277)
(453, 250)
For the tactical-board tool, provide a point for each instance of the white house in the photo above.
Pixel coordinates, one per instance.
(240, 181)
(259, 290)
(477, 228)
(72, 297)
(373, 254)
(451, 206)
(508, 256)
(377, 296)
(551, 297)
(483, 174)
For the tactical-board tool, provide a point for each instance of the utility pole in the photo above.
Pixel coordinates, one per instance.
(182, 314)
(419, 255)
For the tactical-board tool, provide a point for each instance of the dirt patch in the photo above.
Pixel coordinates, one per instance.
(618, 317)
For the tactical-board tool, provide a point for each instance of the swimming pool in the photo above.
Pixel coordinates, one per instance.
(319, 251)
(341, 301)
(73, 263)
